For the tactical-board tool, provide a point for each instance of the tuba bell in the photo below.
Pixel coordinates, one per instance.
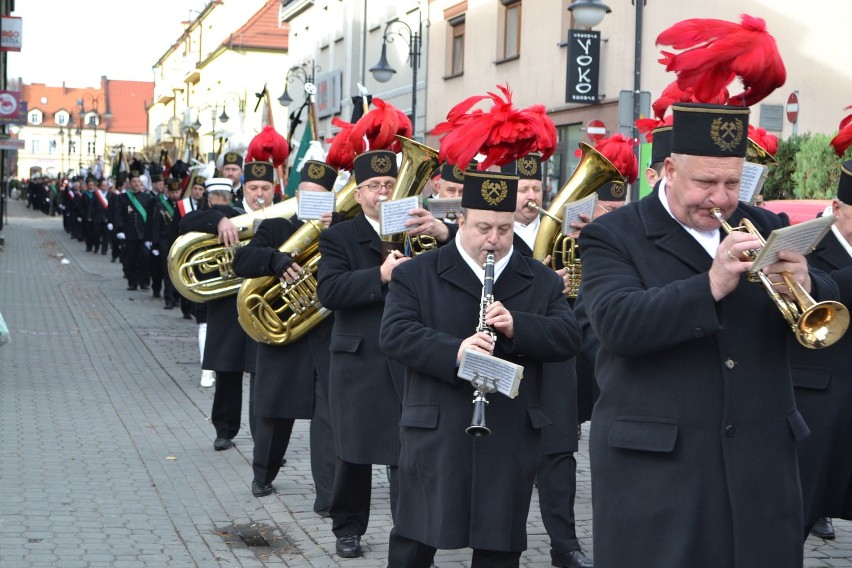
(593, 172)
(815, 324)
(202, 268)
(277, 313)
(418, 163)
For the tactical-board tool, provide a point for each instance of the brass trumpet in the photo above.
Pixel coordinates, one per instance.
(815, 324)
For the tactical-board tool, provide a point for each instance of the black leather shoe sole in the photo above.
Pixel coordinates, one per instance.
(348, 546)
(222, 444)
(259, 490)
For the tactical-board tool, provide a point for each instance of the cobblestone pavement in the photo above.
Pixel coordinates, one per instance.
(106, 454)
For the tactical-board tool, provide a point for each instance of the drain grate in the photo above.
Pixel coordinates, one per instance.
(263, 539)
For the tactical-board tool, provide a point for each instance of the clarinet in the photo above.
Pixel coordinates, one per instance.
(483, 385)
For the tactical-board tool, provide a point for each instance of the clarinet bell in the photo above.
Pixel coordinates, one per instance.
(477, 428)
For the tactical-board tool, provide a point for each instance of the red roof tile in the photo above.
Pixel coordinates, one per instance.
(129, 102)
(60, 98)
(261, 31)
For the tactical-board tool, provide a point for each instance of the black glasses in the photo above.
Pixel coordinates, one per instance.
(376, 186)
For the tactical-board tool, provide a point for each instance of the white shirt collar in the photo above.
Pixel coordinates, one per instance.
(843, 242)
(374, 225)
(709, 240)
(528, 232)
(479, 271)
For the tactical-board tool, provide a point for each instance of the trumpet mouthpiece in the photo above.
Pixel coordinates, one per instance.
(532, 205)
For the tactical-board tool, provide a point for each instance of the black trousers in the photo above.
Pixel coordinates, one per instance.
(271, 438)
(170, 295)
(227, 404)
(323, 453)
(155, 269)
(135, 260)
(101, 237)
(351, 495)
(557, 488)
(406, 553)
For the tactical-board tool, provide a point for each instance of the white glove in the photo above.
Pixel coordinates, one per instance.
(79, 219)
(62, 207)
(156, 252)
(109, 226)
(148, 245)
(120, 236)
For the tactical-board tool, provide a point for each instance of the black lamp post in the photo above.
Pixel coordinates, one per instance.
(241, 106)
(62, 142)
(383, 72)
(305, 72)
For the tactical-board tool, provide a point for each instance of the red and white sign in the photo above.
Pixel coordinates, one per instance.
(11, 33)
(10, 101)
(793, 107)
(596, 130)
(12, 144)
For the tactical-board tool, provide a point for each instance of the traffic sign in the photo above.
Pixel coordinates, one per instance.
(596, 129)
(793, 107)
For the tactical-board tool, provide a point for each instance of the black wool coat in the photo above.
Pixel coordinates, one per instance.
(285, 375)
(823, 382)
(365, 388)
(456, 491)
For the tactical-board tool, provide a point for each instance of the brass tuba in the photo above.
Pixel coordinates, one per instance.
(277, 313)
(593, 172)
(816, 325)
(202, 269)
(418, 163)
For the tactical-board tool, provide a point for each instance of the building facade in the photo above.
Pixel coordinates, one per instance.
(205, 84)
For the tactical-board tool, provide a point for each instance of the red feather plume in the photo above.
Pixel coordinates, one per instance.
(717, 51)
(768, 142)
(268, 146)
(647, 126)
(381, 126)
(501, 134)
(674, 94)
(344, 147)
(618, 149)
(844, 138)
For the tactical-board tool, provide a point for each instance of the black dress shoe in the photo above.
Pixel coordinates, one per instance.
(187, 316)
(156, 293)
(824, 529)
(322, 513)
(143, 287)
(222, 444)
(260, 490)
(131, 287)
(573, 559)
(349, 546)
(169, 306)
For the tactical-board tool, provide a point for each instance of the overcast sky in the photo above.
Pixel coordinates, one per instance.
(77, 42)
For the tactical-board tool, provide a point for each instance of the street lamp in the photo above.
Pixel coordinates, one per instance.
(62, 141)
(588, 13)
(241, 106)
(383, 72)
(304, 72)
(92, 108)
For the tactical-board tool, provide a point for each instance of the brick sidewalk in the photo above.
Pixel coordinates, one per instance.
(106, 456)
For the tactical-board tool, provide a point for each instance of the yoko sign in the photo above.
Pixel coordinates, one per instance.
(11, 34)
(584, 48)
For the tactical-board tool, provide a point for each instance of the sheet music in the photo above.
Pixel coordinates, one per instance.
(751, 184)
(393, 214)
(444, 207)
(801, 238)
(312, 204)
(506, 375)
(573, 210)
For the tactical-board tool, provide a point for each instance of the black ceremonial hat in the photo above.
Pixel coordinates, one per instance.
(492, 191)
(319, 173)
(612, 191)
(375, 163)
(844, 188)
(661, 144)
(156, 178)
(526, 167)
(710, 130)
(259, 171)
(173, 184)
(199, 180)
(232, 158)
(452, 173)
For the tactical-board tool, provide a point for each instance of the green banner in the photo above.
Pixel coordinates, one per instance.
(295, 177)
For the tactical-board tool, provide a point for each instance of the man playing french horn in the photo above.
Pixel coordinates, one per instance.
(455, 490)
(693, 436)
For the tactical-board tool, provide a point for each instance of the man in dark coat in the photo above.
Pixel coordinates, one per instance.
(131, 215)
(365, 388)
(98, 213)
(161, 233)
(693, 436)
(460, 491)
(291, 381)
(557, 473)
(227, 349)
(823, 389)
